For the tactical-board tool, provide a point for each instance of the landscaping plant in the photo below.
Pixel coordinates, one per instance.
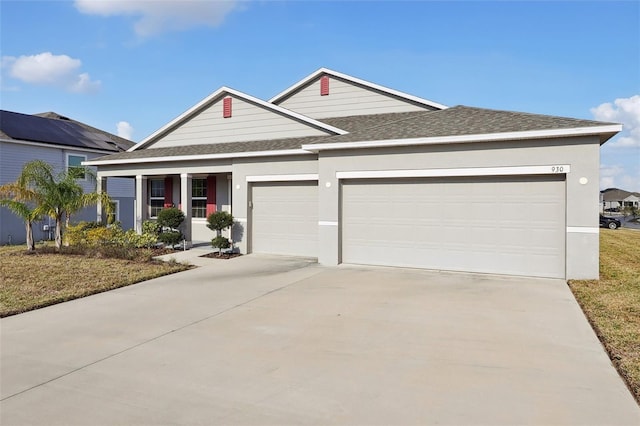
(169, 221)
(218, 222)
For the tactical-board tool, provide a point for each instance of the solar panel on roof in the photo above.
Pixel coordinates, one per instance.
(47, 130)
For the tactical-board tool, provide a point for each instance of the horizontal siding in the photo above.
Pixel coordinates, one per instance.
(13, 158)
(344, 99)
(121, 187)
(247, 123)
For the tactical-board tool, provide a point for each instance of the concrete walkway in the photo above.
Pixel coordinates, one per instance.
(269, 340)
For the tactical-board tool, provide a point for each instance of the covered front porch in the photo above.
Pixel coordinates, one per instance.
(197, 193)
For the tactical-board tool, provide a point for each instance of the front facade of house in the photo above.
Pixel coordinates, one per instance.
(347, 171)
(62, 143)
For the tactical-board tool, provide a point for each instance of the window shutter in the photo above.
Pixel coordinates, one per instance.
(324, 85)
(226, 107)
(211, 195)
(168, 191)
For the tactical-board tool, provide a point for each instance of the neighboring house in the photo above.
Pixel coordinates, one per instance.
(348, 171)
(614, 199)
(63, 143)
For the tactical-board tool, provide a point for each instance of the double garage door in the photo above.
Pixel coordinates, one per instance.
(502, 225)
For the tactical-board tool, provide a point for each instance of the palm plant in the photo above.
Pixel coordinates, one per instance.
(59, 196)
(20, 201)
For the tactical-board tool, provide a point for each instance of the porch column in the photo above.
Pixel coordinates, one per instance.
(141, 202)
(101, 186)
(185, 206)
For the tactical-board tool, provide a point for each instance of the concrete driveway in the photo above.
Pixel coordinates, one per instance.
(267, 340)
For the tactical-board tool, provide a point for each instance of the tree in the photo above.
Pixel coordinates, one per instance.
(59, 196)
(18, 200)
(219, 221)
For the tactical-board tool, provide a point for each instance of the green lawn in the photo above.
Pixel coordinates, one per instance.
(612, 304)
(31, 281)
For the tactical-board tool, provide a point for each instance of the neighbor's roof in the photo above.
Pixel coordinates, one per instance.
(54, 129)
(454, 125)
(615, 194)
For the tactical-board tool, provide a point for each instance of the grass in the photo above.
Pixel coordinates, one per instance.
(612, 304)
(31, 281)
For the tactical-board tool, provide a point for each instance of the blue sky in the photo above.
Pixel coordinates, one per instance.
(130, 67)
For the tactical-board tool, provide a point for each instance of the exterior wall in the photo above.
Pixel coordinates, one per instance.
(247, 123)
(344, 99)
(582, 154)
(13, 157)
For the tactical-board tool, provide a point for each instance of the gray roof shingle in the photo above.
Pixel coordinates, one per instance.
(457, 121)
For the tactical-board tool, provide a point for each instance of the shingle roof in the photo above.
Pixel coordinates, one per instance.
(212, 149)
(52, 128)
(355, 123)
(615, 194)
(459, 120)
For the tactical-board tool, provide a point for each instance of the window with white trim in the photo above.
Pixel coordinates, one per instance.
(156, 197)
(199, 198)
(74, 165)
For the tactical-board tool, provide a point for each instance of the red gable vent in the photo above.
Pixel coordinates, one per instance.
(226, 107)
(324, 85)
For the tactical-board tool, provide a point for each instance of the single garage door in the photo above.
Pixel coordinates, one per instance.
(502, 225)
(284, 218)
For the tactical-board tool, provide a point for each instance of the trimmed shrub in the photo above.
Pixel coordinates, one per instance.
(220, 243)
(170, 218)
(218, 221)
(170, 238)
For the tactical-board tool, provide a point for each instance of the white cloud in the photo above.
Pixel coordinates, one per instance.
(627, 112)
(51, 70)
(609, 175)
(125, 130)
(154, 17)
(617, 176)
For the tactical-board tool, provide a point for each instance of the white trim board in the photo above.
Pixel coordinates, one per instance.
(283, 178)
(327, 223)
(582, 230)
(488, 137)
(472, 171)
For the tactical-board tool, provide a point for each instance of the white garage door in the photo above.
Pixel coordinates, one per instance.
(503, 225)
(284, 218)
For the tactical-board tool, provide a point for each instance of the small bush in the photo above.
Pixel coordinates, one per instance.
(170, 238)
(218, 221)
(170, 218)
(151, 227)
(220, 243)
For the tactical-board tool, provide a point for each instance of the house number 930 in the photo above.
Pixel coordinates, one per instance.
(557, 169)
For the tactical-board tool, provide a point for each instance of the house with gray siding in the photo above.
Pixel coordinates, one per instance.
(63, 143)
(614, 199)
(347, 171)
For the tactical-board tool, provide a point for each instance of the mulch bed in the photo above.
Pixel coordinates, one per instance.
(225, 256)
